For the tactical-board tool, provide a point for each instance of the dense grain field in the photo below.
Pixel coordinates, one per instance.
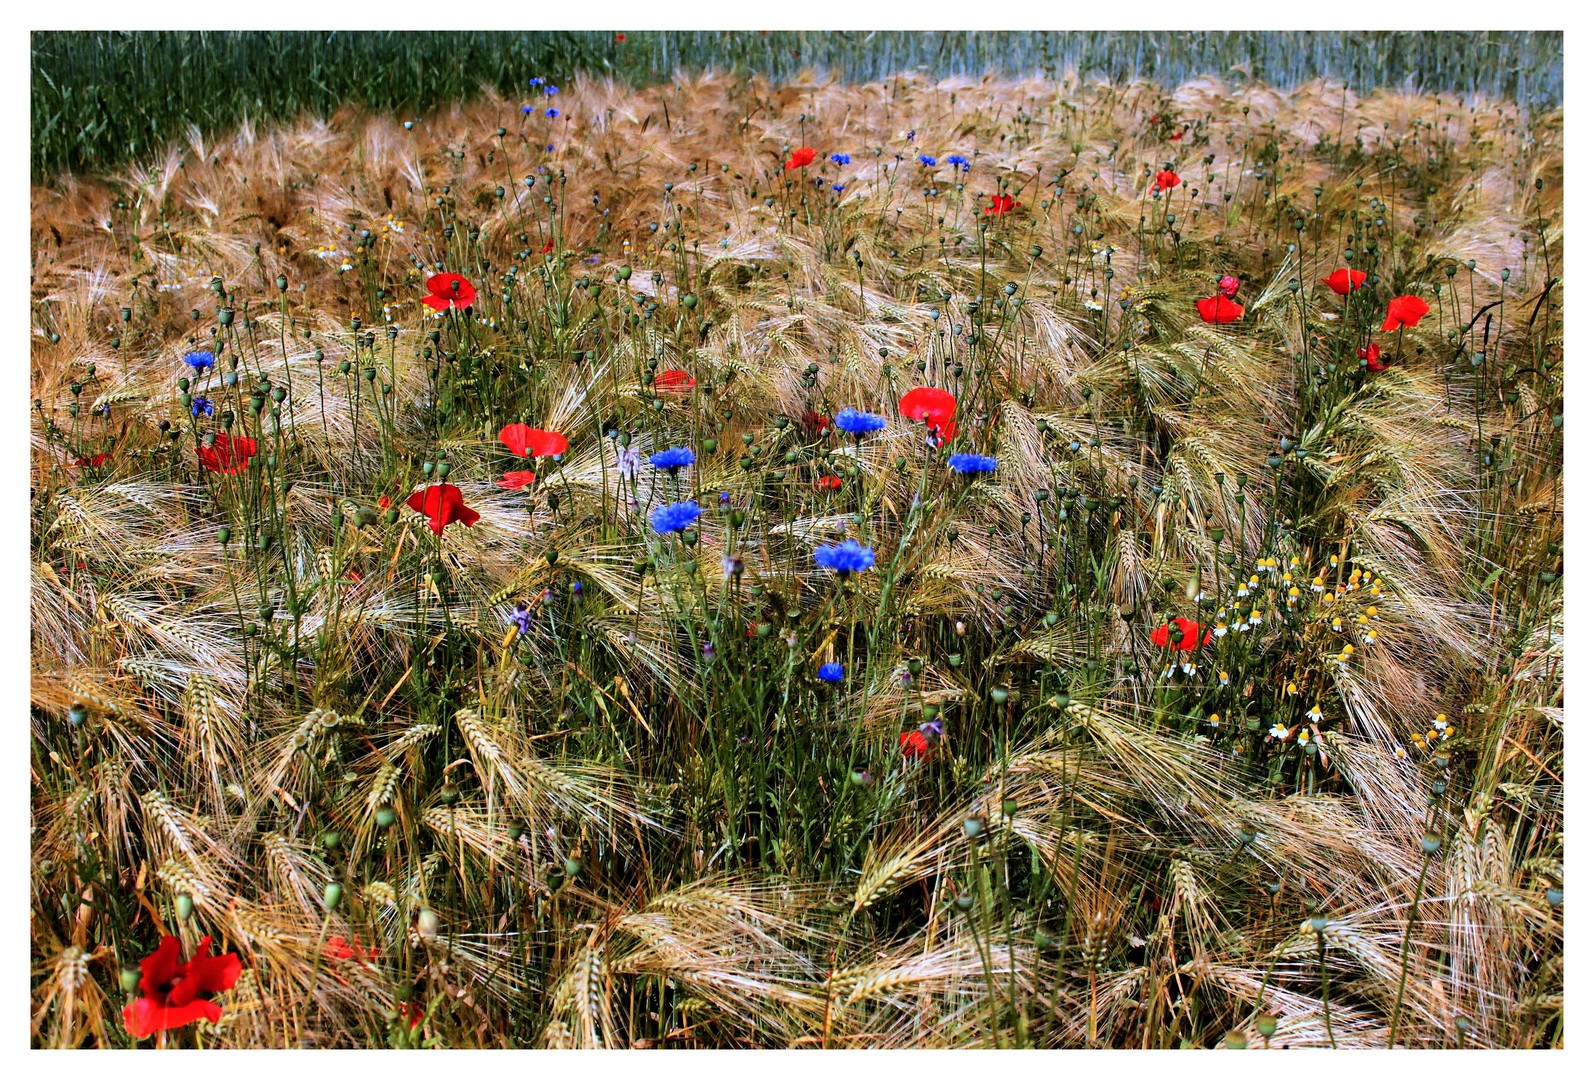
(1175, 661)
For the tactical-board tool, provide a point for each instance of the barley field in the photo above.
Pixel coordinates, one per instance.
(914, 563)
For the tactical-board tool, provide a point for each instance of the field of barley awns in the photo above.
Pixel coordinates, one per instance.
(917, 564)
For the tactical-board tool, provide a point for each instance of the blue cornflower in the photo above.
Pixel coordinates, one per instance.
(199, 361)
(537, 81)
(525, 110)
(845, 557)
(675, 517)
(837, 187)
(673, 459)
(926, 159)
(725, 498)
(830, 672)
(841, 159)
(521, 619)
(859, 423)
(958, 159)
(203, 405)
(551, 113)
(971, 463)
(912, 133)
(550, 90)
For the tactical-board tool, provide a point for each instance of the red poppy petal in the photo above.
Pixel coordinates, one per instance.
(516, 437)
(514, 481)
(145, 1016)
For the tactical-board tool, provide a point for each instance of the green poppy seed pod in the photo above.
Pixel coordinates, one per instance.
(184, 907)
(448, 794)
(552, 555)
(689, 537)
(1553, 897)
(1556, 421)
(1009, 807)
(738, 519)
(1051, 618)
(955, 660)
(914, 667)
(690, 301)
(859, 778)
(1272, 888)
(225, 317)
(55, 339)
(1266, 1025)
(973, 828)
(385, 817)
(443, 469)
(1318, 923)
(999, 696)
(331, 839)
(516, 831)
(77, 714)
(186, 401)
(282, 283)
(332, 895)
(1430, 842)
(964, 902)
(1247, 834)
(1061, 700)
(572, 866)
(279, 394)
(1235, 1040)
(224, 535)
(623, 274)
(763, 629)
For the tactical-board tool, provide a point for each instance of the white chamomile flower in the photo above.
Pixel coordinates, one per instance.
(1279, 731)
(1315, 713)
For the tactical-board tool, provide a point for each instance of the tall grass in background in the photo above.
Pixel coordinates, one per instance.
(103, 98)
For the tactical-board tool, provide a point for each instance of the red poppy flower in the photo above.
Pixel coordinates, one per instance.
(338, 949)
(828, 482)
(914, 745)
(932, 405)
(1219, 309)
(1176, 136)
(1001, 204)
(1167, 180)
(1344, 280)
(533, 442)
(1228, 285)
(449, 291)
(514, 481)
(803, 155)
(1370, 354)
(547, 247)
(229, 455)
(90, 462)
(383, 503)
(1188, 631)
(1405, 311)
(443, 504)
(673, 380)
(171, 988)
(620, 38)
(356, 577)
(816, 421)
(412, 1012)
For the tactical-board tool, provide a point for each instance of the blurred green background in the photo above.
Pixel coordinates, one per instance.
(102, 98)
